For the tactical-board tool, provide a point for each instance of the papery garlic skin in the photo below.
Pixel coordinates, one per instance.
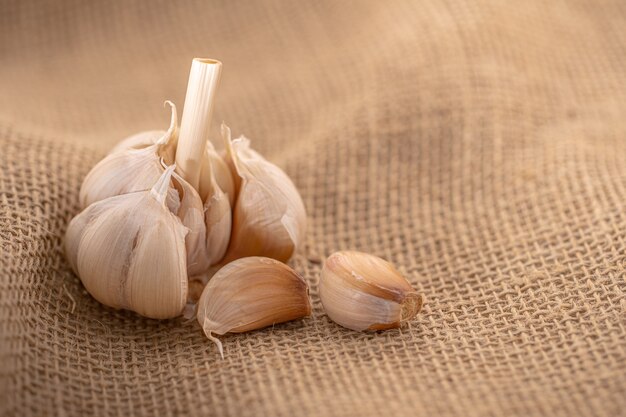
(249, 294)
(151, 137)
(132, 168)
(269, 218)
(129, 252)
(363, 292)
(142, 140)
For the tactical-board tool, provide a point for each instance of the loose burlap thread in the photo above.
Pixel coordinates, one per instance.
(478, 145)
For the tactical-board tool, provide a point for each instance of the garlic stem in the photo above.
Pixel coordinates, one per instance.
(196, 121)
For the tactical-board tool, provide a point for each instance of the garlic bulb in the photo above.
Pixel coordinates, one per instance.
(131, 169)
(158, 213)
(269, 218)
(363, 292)
(138, 161)
(129, 252)
(249, 294)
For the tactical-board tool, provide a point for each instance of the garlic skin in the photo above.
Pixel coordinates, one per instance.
(129, 252)
(269, 218)
(132, 168)
(249, 294)
(363, 292)
(143, 140)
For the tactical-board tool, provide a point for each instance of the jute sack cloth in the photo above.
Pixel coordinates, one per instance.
(480, 146)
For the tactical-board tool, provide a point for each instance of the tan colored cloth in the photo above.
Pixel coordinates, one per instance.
(478, 145)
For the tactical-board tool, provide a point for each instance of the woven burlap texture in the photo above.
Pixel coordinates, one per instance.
(480, 146)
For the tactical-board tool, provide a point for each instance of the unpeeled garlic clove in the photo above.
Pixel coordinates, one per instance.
(209, 225)
(363, 292)
(217, 207)
(269, 218)
(214, 168)
(218, 220)
(132, 168)
(249, 294)
(191, 213)
(129, 252)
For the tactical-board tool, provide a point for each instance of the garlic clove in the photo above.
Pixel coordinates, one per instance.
(74, 233)
(363, 292)
(218, 220)
(213, 165)
(210, 222)
(217, 205)
(249, 294)
(129, 252)
(191, 213)
(129, 170)
(122, 173)
(269, 218)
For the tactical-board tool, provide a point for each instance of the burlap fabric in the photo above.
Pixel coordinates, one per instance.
(479, 145)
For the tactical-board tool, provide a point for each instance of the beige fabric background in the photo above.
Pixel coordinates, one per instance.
(478, 145)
